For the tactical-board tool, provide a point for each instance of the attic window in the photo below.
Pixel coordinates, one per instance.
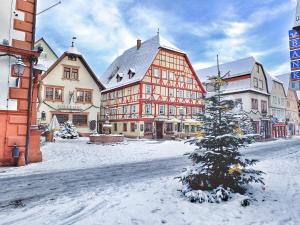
(131, 73)
(72, 57)
(119, 77)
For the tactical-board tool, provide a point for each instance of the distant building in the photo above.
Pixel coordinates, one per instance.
(70, 90)
(292, 109)
(18, 87)
(277, 105)
(48, 56)
(151, 91)
(246, 83)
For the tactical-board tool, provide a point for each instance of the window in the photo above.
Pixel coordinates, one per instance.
(255, 82)
(257, 68)
(180, 93)
(132, 127)
(83, 96)
(80, 120)
(171, 110)
(188, 110)
(124, 127)
(115, 126)
(141, 127)
(189, 80)
(264, 106)
(261, 84)
(239, 103)
(194, 110)
(194, 95)
(54, 93)
(148, 89)
(161, 110)
(155, 72)
(164, 74)
(72, 57)
(188, 94)
(171, 92)
(180, 62)
(70, 73)
(148, 127)
(148, 109)
(181, 111)
(171, 75)
(133, 109)
(169, 127)
(61, 118)
(254, 104)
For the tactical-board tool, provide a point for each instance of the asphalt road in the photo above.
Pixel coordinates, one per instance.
(29, 189)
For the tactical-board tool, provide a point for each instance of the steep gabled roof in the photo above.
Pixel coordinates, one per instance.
(83, 61)
(138, 60)
(271, 79)
(285, 79)
(43, 39)
(235, 68)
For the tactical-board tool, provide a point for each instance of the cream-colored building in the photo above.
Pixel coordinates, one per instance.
(246, 83)
(71, 91)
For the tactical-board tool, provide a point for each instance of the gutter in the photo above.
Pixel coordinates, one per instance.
(29, 96)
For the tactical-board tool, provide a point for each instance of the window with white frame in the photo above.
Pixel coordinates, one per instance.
(194, 110)
(161, 109)
(148, 109)
(171, 110)
(133, 109)
(171, 75)
(124, 109)
(155, 72)
(187, 94)
(194, 95)
(188, 110)
(189, 80)
(171, 92)
(164, 74)
(148, 89)
(180, 93)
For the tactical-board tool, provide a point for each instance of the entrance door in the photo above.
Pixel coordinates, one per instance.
(159, 130)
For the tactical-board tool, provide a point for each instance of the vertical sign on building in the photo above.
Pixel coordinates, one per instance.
(294, 43)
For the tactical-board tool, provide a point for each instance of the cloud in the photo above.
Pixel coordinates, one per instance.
(280, 69)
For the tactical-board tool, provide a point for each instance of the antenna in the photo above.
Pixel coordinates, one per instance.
(50, 7)
(73, 40)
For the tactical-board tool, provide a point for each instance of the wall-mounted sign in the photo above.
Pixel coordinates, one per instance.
(295, 43)
(295, 75)
(295, 65)
(295, 54)
(69, 107)
(293, 34)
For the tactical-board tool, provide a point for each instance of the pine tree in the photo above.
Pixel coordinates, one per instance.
(68, 131)
(218, 166)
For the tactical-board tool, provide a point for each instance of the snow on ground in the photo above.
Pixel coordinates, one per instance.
(75, 154)
(157, 201)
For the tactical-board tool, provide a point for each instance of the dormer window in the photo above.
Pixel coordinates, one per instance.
(131, 73)
(119, 77)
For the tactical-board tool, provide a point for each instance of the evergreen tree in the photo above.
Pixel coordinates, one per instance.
(68, 131)
(218, 166)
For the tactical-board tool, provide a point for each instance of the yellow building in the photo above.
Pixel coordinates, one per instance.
(152, 91)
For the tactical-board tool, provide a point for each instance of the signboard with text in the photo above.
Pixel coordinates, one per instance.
(295, 75)
(294, 43)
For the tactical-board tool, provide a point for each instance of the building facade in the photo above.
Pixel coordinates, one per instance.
(277, 105)
(246, 83)
(18, 87)
(153, 92)
(48, 57)
(71, 91)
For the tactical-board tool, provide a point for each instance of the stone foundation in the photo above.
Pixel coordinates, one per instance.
(106, 139)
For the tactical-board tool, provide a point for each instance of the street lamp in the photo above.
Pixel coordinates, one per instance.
(19, 68)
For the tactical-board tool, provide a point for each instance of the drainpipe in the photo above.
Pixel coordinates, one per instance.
(29, 96)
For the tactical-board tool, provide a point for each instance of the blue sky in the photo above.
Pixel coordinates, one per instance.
(231, 28)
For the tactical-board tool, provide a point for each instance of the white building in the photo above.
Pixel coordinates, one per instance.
(71, 91)
(246, 82)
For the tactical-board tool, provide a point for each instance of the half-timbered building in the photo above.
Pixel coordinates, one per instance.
(152, 91)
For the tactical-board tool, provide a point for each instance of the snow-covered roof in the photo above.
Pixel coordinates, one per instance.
(137, 60)
(271, 79)
(285, 79)
(235, 68)
(73, 50)
(235, 86)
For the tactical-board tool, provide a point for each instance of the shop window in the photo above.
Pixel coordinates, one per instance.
(169, 127)
(148, 127)
(80, 120)
(132, 127)
(125, 127)
(61, 118)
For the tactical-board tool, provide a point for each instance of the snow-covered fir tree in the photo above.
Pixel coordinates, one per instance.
(68, 131)
(244, 121)
(218, 166)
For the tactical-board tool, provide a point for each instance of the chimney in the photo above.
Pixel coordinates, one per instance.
(138, 43)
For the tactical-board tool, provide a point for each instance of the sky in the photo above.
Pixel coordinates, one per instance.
(234, 29)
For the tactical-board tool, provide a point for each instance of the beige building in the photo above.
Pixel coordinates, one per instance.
(71, 91)
(277, 105)
(246, 83)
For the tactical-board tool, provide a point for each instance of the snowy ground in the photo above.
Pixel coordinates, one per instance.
(143, 190)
